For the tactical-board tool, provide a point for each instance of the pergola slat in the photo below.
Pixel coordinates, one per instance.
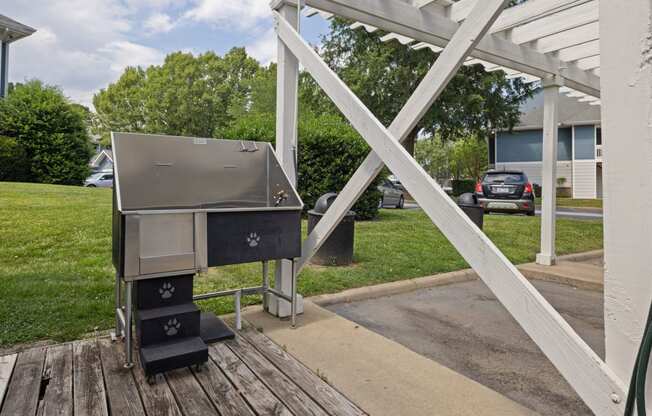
(426, 26)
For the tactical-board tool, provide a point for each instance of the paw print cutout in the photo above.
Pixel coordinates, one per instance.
(172, 327)
(253, 239)
(166, 291)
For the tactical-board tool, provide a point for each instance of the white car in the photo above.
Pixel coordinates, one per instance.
(99, 180)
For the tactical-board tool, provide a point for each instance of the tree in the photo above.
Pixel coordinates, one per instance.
(186, 95)
(469, 158)
(384, 75)
(50, 130)
(434, 155)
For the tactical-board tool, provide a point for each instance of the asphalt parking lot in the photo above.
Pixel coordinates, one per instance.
(465, 328)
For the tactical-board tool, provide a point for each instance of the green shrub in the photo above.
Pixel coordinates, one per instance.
(463, 186)
(329, 153)
(51, 130)
(14, 166)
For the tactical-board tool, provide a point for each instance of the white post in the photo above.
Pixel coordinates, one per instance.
(286, 146)
(549, 174)
(626, 72)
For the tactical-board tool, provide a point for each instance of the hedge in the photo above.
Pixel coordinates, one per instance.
(463, 186)
(14, 165)
(329, 153)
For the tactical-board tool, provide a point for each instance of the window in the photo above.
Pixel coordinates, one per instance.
(107, 178)
(598, 136)
(506, 178)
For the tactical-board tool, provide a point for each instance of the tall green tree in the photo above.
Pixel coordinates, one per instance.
(384, 75)
(468, 158)
(50, 131)
(186, 95)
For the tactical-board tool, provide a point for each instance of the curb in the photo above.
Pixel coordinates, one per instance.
(393, 288)
(592, 210)
(406, 286)
(587, 255)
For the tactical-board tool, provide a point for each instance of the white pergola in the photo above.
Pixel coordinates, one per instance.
(560, 43)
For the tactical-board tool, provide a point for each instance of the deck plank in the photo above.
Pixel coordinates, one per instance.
(190, 396)
(334, 402)
(293, 397)
(89, 396)
(219, 389)
(124, 399)
(22, 394)
(261, 399)
(7, 363)
(157, 398)
(57, 400)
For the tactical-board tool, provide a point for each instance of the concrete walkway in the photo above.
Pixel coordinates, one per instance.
(463, 327)
(379, 375)
(584, 274)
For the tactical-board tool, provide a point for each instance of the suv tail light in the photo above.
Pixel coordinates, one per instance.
(478, 188)
(528, 188)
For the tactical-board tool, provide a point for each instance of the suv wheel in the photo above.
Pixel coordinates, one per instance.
(401, 202)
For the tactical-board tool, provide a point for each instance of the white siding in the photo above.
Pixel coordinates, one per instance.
(533, 170)
(584, 179)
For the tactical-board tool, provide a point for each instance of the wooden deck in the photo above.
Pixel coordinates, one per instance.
(247, 376)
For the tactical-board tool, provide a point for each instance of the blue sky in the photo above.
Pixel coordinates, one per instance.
(83, 45)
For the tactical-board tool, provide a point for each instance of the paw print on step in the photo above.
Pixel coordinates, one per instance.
(253, 239)
(166, 291)
(172, 327)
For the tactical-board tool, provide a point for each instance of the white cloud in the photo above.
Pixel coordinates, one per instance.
(239, 14)
(159, 23)
(264, 48)
(121, 54)
(80, 45)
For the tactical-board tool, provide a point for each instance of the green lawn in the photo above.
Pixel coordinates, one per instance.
(56, 277)
(575, 203)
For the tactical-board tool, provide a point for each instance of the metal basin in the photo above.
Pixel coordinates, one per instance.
(184, 204)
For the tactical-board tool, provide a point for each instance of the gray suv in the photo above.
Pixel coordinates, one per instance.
(506, 191)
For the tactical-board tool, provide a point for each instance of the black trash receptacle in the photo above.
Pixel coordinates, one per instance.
(472, 208)
(338, 248)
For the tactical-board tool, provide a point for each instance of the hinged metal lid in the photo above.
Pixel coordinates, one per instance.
(155, 172)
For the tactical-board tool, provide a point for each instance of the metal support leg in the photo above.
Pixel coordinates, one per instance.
(128, 318)
(293, 293)
(118, 322)
(265, 284)
(238, 315)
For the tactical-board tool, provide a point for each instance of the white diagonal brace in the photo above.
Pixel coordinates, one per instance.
(585, 371)
(420, 101)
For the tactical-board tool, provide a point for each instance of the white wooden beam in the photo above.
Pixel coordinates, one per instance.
(584, 50)
(555, 23)
(403, 40)
(627, 177)
(547, 256)
(433, 28)
(589, 63)
(569, 38)
(287, 81)
(575, 360)
(368, 28)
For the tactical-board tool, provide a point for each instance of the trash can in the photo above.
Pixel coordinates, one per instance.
(472, 208)
(337, 250)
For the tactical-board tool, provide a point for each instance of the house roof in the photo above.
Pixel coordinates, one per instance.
(105, 153)
(571, 112)
(11, 30)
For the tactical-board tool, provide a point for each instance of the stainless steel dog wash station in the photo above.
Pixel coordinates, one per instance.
(181, 205)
